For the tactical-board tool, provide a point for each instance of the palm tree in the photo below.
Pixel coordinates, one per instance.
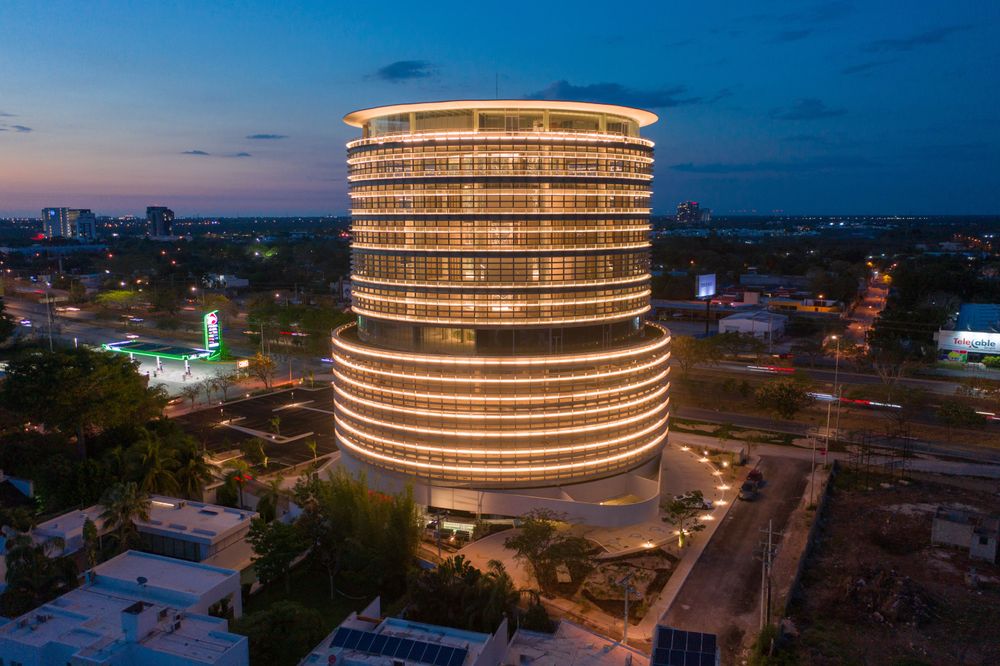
(124, 503)
(239, 475)
(311, 445)
(35, 574)
(276, 425)
(267, 505)
(192, 473)
(157, 467)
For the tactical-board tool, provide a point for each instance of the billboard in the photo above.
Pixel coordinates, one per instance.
(969, 341)
(706, 286)
(213, 335)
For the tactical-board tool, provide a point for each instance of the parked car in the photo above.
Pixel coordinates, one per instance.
(756, 476)
(748, 491)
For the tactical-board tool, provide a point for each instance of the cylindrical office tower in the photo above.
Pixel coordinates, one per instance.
(500, 276)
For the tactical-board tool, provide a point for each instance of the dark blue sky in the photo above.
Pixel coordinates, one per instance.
(235, 108)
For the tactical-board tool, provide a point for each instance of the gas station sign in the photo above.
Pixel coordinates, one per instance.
(213, 335)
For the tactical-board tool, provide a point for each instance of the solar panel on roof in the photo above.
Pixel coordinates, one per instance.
(391, 643)
(353, 637)
(431, 653)
(417, 653)
(405, 645)
(444, 656)
(339, 638)
(458, 658)
(378, 643)
(674, 647)
(366, 641)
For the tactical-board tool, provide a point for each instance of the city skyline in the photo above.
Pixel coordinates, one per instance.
(824, 108)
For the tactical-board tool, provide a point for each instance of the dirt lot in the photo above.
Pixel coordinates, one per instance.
(875, 591)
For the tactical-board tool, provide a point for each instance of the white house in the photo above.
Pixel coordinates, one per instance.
(975, 532)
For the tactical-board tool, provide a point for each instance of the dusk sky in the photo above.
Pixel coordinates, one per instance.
(232, 108)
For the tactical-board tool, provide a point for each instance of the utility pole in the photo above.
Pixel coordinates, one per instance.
(626, 583)
(769, 548)
(48, 312)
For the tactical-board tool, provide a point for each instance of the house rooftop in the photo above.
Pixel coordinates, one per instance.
(90, 620)
(570, 644)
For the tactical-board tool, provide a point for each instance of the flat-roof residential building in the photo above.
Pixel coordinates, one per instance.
(184, 529)
(159, 221)
(978, 533)
(365, 639)
(136, 608)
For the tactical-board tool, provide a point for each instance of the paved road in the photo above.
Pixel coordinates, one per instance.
(959, 450)
(722, 590)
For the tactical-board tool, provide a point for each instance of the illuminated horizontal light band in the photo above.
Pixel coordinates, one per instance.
(497, 321)
(502, 380)
(497, 300)
(459, 210)
(632, 453)
(464, 231)
(485, 136)
(555, 359)
(510, 249)
(636, 192)
(404, 155)
(535, 397)
(444, 284)
(517, 434)
(506, 452)
(507, 417)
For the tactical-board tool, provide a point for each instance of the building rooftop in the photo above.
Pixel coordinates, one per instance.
(979, 317)
(360, 117)
(93, 621)
(196, 521)
(570, 644)
(366, 639)
(757, 315)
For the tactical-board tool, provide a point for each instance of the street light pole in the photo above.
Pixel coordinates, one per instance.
(628, 589)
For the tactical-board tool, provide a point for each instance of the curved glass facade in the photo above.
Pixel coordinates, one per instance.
(500, 273)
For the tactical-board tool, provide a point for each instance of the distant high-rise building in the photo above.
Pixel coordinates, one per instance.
(689, 212)
(69, 223)
(55, 222)
(86, 224)
(159, 220)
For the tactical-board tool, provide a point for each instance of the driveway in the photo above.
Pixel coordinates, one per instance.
(722, 590)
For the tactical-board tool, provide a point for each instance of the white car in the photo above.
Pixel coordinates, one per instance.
(131, 336)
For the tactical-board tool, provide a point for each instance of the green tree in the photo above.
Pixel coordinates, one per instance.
(237, 477)
(7, 325)
(263, 368)
(79, 391)
(191, 393)
(682, 512)
(311, 445)
(91, 543)
(35, 574)
(954, 414)
(155, 465)
(123, 504)
(270, 498)
(275, 545)
(192, 472)
(457, 594)
(784, 397)
(543, 546)
(370, 536)
(688, 351)
(225, 381)
(118, 299)
(280, 634)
